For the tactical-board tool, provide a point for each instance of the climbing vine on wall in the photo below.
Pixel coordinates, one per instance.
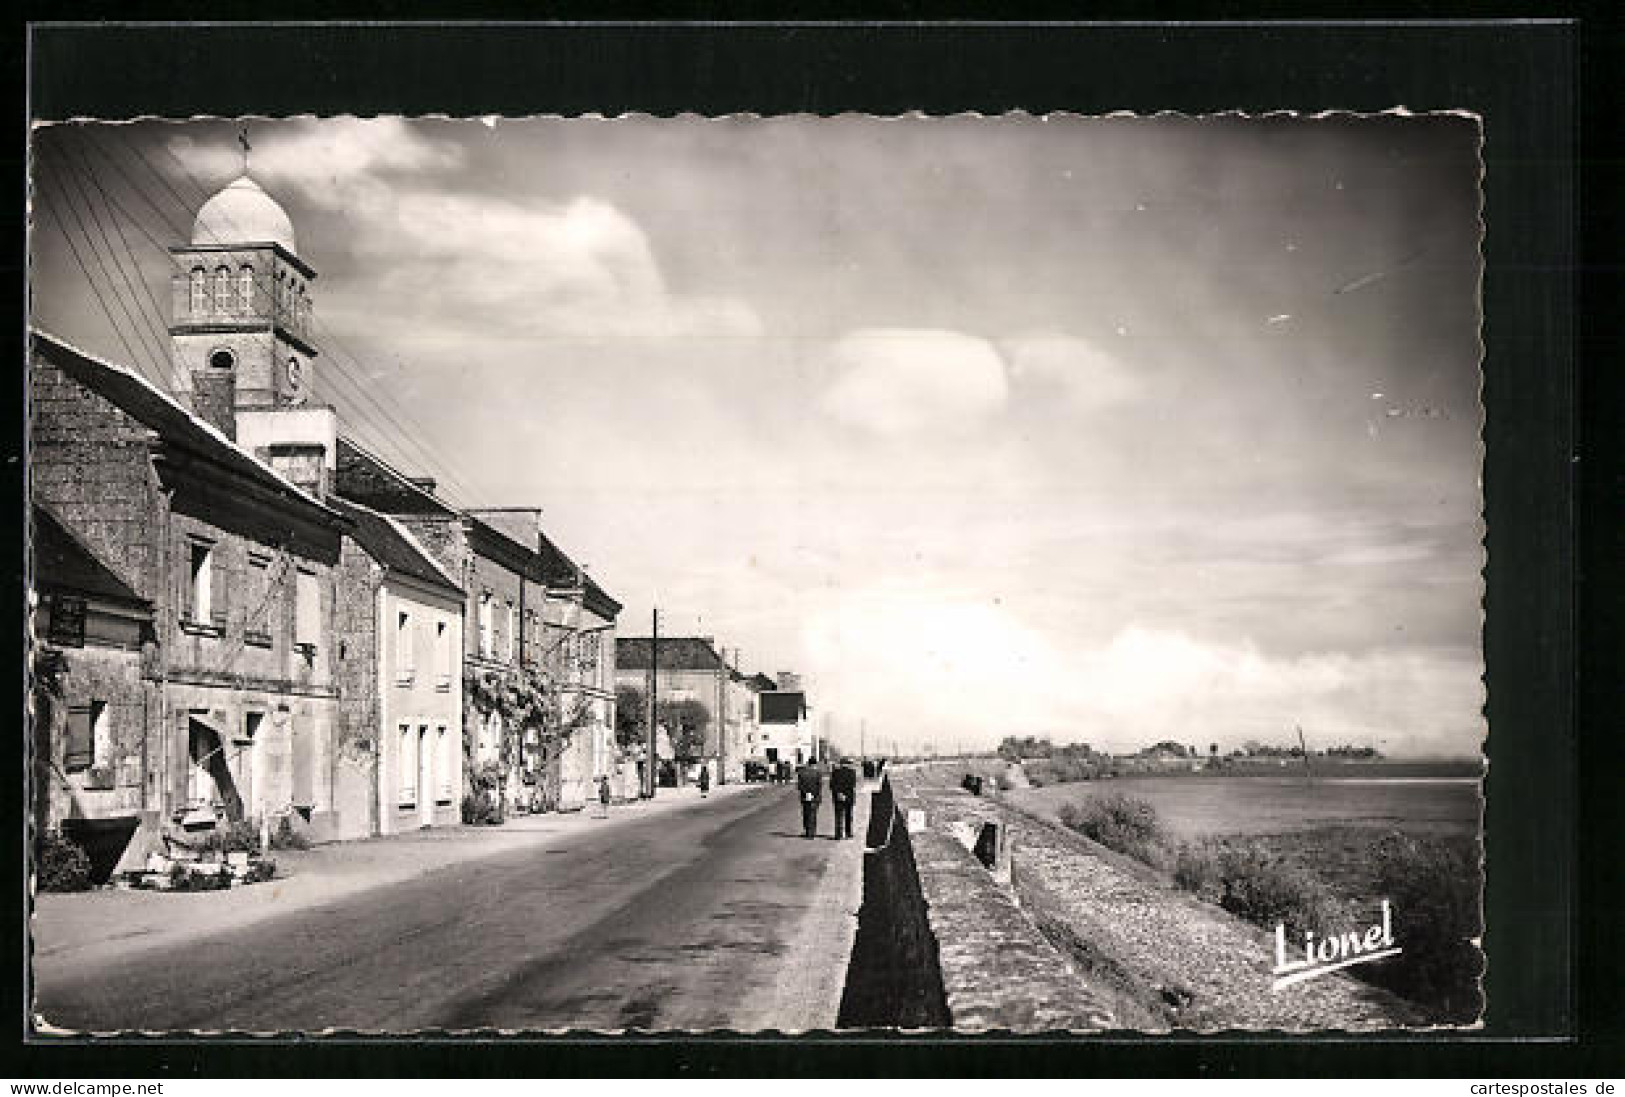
(532, 709)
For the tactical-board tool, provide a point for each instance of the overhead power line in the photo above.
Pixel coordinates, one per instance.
(63, 230)
(392, 412)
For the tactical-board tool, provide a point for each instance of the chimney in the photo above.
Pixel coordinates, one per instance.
(424, 484)
(214, 399)
(302, 464)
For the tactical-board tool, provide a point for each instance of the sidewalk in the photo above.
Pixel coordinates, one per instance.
(110, 922)
(807, 994)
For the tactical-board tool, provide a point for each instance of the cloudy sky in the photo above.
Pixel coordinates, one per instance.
(1111, 430)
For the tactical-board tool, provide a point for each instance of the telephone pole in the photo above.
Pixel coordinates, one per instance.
(722, 715)
(649, 782)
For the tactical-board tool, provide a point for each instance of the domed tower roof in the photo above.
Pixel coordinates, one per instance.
(243, 214)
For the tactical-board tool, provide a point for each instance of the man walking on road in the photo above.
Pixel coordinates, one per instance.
(810, 787)
(705, 779)
(843, 791)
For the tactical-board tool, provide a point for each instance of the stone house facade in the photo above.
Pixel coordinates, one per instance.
(527, 611)
(96, 686)
(238, 564)
(400, 628)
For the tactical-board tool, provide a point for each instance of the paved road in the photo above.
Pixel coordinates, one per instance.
(717, 915)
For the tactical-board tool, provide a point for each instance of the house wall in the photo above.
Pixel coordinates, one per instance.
(587, 668)
(122, 775)
(92, 463)
(356, 674)
(425, 697)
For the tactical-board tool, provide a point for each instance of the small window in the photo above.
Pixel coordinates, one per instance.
(101, 734)
(206, 600)
(198, 296)
(508, 646)
(485, 625)
(79, 749)
(223, 296)
(251, 726)
(245, 290)
(222, 359)
(405, 653)
(442, 654)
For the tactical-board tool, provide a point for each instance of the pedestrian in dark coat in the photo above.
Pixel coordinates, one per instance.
(705, 780)
(843, 793)
(810, 788)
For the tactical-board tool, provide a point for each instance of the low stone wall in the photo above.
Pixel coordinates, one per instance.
(894, 979)
(1164, 959)
(997, 971)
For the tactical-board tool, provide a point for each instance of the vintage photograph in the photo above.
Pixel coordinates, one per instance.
(756, 574)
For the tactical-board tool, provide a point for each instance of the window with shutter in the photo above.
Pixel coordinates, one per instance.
(445, 765)
(199, 595)
(307, 611)
(405, 649)
(485, 626)
(219, 590)
(80, 746)
(257, 599)
(407, 761)
(442, 654)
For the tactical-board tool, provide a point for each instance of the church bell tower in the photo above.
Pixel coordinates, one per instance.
(242, 346)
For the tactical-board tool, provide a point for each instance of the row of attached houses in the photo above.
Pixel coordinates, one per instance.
(242, 614)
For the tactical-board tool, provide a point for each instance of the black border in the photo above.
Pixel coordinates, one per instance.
(1520, 78)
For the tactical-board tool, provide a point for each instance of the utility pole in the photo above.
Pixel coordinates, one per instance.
(649, 782)
(863, 739)
(722, 715)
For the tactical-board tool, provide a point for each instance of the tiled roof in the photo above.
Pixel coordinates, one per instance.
(676, 653)
(393, 546)
(369, 479)
(62, 561)
(173, 424)
(553, 565)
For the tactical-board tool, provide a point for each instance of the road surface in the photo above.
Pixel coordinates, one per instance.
(718, 915)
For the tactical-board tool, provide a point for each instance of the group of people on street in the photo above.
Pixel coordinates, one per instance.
(843, 794)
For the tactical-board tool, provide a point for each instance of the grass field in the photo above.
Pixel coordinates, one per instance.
(1417, 798)
(1332, 836)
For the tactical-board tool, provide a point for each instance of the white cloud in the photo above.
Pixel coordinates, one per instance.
(433, 253)
(578, 268)
(1090, 378)
(943, 666)
(335, 163)
(900, 381)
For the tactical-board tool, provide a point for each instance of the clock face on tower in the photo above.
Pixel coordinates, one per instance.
(295, 375)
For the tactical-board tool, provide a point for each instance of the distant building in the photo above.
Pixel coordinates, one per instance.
(690, 669)
(785, 732)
